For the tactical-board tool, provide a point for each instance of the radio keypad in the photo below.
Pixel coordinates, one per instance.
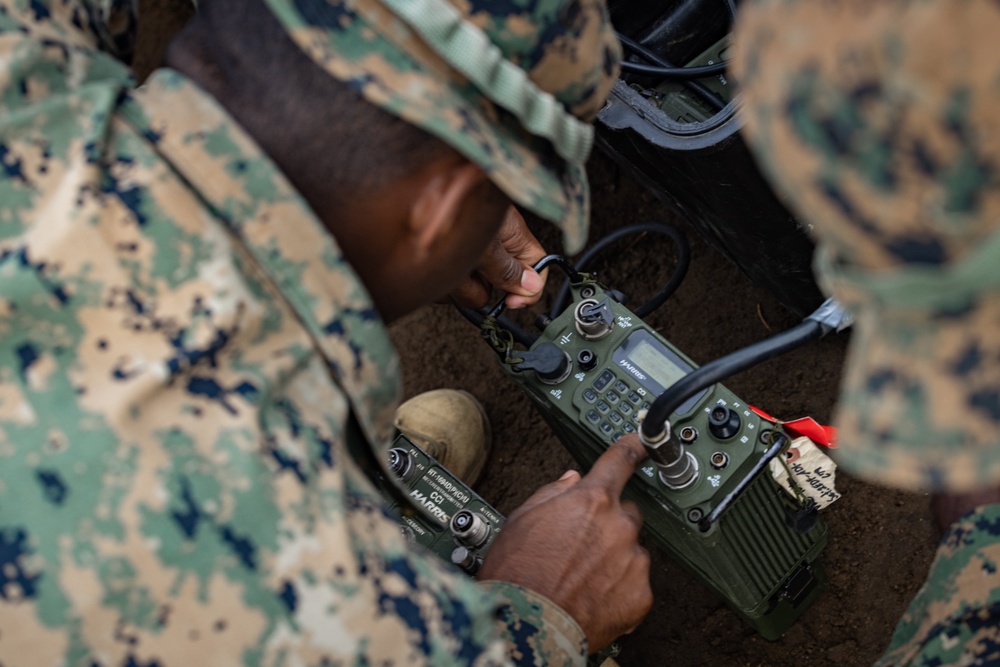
(603, 380)
(623, 399)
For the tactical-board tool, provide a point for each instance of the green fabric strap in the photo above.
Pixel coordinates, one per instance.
(922, 287)
(467, 48)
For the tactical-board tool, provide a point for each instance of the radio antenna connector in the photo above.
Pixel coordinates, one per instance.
(678, 468)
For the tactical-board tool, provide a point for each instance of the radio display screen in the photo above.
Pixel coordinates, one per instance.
(642, 357)
(655, 364)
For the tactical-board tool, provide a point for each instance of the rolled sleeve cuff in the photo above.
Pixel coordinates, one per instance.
(956, 615)
(537, 631)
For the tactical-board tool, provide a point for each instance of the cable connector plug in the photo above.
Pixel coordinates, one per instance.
(678, 468)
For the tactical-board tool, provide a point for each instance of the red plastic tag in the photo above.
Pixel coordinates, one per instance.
(807, 426)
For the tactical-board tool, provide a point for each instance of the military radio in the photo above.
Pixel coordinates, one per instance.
(453, 521)
(441, 513)
(706, 495)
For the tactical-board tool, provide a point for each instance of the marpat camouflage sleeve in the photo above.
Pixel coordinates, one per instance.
(106, 24)
(955, 618)
(183, 349)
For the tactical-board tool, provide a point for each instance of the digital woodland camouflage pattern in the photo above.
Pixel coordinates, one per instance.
(568, 49)
(182, 351)
(878, 122)
(955, 618)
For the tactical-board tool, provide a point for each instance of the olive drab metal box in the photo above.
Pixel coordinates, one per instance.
(592, 373)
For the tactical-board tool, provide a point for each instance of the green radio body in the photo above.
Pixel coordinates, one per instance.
(438, 496)
(755, 556)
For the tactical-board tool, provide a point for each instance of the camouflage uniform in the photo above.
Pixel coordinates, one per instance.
(185, 360)
(877, 121)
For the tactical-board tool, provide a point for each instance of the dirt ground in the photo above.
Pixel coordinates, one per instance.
(881, 541)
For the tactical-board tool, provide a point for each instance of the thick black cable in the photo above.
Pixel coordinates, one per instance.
(672, 72)
(520, 335)
(710, 98)
(683, 261)
(475, 317)
(700, 89)
(675, 395)
(541, 265)
(675, 72)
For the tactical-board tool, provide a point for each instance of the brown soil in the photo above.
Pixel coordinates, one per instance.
(881, 541)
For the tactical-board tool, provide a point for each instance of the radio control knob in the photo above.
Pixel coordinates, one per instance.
(723, 423)
(466, 559)
(587, 359)
(594, 319)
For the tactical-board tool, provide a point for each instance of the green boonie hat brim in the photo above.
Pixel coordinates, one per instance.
(371, 49)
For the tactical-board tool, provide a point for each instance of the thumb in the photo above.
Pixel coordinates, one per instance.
(503, 266)
(507, 262)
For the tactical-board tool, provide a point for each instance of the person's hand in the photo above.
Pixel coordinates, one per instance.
(506, 265)
(575, 542)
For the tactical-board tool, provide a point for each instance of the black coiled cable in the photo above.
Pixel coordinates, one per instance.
(703, 91)
(663, 68)
(683, 262)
